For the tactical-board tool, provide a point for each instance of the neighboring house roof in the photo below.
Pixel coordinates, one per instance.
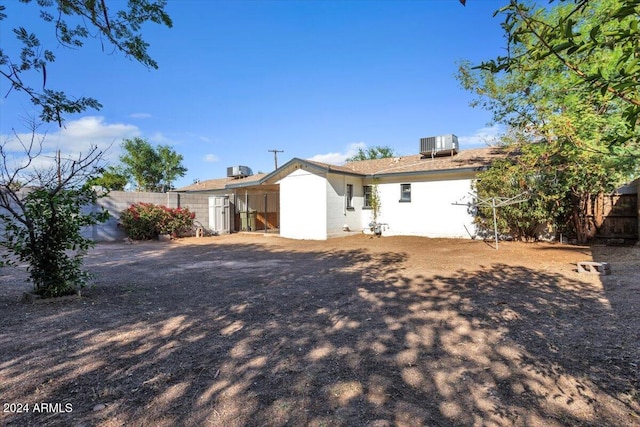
(223, 183)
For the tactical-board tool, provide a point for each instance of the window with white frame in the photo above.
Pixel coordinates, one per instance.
(405, 192)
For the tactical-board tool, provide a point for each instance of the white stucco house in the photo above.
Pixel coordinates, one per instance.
(417, 195)
(305, 199)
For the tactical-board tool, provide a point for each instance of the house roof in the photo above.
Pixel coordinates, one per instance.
(465, 159)
(331, 168)
(473, 159)
(223, 183)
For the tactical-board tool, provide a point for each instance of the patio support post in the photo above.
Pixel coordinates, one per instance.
(265, 213)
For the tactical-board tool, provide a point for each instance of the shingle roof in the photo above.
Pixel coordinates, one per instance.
(220, 183)
(474, 158)
(465, 159)
(332, 168)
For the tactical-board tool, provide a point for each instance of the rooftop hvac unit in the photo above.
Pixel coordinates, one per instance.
(439, 145)
(239, 171)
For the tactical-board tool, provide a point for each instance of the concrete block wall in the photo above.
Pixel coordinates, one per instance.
(197, 203)
(117, 201)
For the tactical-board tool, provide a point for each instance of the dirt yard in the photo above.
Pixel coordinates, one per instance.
(247, 330)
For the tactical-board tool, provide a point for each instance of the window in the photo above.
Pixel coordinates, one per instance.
(405, 192)
(368, 194)
(349, 196)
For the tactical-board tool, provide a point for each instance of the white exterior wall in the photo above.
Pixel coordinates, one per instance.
(338, 216)
(303, 206)
(430, 212)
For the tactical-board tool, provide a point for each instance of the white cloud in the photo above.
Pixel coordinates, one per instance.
(75, 138)
(339, 158)
(160, 139)
(140, 116)
(481, 138)
(211, 158)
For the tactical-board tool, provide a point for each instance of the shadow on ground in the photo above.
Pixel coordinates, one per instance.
(244, 336)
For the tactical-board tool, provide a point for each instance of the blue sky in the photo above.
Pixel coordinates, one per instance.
(316, 79)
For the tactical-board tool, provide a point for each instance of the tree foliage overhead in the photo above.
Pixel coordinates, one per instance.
(576, 30)
(152, 169)
(377, 152)
(74, 21)
(575, 139)
(44, 209)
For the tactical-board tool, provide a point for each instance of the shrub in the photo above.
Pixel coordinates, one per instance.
(144, 221)
(49, 238)
(177, 221)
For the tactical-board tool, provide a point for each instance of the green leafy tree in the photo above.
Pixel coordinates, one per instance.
(111, 178)
(142, 163)
(152, 169)
(172, 167)
(377, 152)
(567, 133)
(42, 208)
(572, 32)
(521, 221)
(43, 212)
(74, 21)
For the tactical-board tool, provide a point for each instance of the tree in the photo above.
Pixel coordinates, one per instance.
(585, 28)
(152, 169)
(75, 21)
(172, 167)
(42, 208)
(43, 213)
(141, 162)
(377, 152)
(111, 178)
(567, 133)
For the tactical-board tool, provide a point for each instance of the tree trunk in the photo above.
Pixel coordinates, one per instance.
(580, 216)
(598, 209)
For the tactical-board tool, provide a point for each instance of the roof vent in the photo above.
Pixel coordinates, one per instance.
(239, 171)
(443, 145)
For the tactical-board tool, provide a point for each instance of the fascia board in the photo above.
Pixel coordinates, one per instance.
(474, 169)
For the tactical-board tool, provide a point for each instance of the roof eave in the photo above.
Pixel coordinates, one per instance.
(430, 172)
(310, 165)
(245, 184)
(205, 190)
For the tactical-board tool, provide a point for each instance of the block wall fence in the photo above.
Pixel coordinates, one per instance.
(117, 201)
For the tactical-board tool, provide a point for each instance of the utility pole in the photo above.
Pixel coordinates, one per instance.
(275, 156)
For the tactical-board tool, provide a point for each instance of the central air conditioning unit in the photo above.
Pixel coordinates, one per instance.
(239, 171)
(443, 145)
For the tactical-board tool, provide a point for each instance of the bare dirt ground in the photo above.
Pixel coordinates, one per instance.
(246, 330)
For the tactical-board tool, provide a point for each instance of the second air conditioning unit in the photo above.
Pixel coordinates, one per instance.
(239, 171)
(443, 145)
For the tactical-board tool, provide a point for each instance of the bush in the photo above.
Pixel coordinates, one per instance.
(144, 221)
(50, 238)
